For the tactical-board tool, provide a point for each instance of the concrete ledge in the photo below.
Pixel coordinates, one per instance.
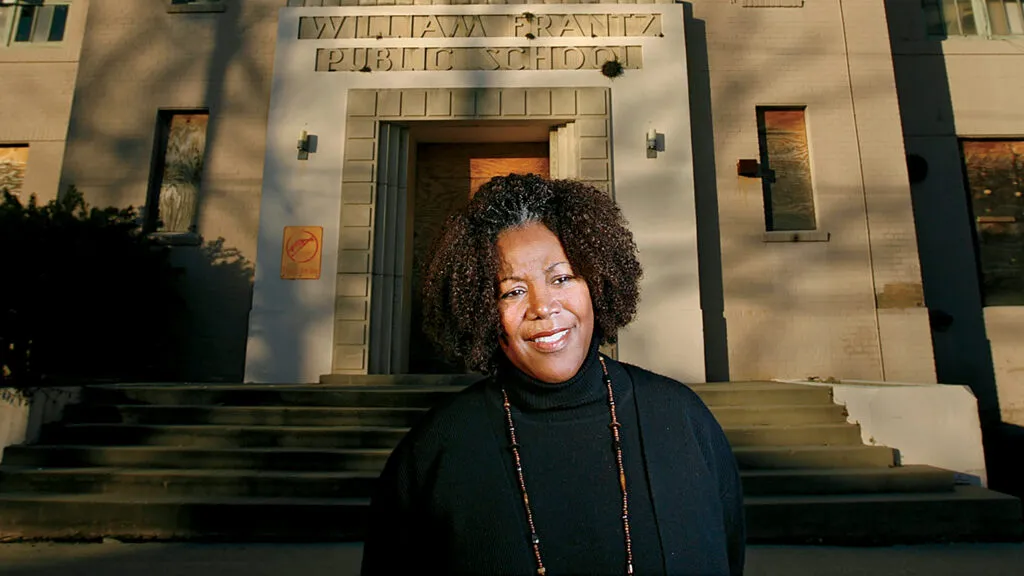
(14, 411)
(23, 415)
(933, 424)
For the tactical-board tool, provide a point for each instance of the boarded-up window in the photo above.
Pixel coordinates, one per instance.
(13, 161)
(995, 181)
(178, 171)
(786, 169)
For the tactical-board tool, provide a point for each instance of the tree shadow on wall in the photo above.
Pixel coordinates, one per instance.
(217, 282)
(709, 247)
(93, 298)
(219, 63)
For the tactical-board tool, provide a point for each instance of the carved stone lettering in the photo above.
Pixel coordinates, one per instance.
(414, 59)
(598, 24)
(442, 59)
(468, 26)
(572, 58)
(384, 62)
(542, 25)
(391, 59)
(493, 55)
(638, 24)
(380, 26)
(521, 26)
(426, 27)
(569, 26)
(515, 59)
(461, 26)
(616, 25)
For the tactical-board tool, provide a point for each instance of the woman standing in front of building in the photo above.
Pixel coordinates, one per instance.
(562, 461)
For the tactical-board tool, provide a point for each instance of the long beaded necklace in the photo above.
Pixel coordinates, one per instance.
(616, 445)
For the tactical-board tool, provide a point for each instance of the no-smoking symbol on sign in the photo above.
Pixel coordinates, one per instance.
(303, 247)
(300, 254)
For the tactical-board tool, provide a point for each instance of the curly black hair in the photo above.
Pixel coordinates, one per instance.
(460, 288)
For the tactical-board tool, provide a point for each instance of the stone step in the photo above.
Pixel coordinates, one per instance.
(965, 514)
(220, 436)
(810, 456)
(309, 459)
(724, 394)
(269, 395)
(227, 437)
(244, 415)
(778, 436)
(847, 481)
(95, 516)
(400, 379)
(152, 482)
(362, 459)
(968, 513)
(781, 415)
(755, 394)
(736, 416)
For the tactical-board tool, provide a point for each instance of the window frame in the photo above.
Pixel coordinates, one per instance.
(982, 20)
(7, 34)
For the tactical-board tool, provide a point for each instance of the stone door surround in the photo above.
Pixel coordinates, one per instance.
(369, 110)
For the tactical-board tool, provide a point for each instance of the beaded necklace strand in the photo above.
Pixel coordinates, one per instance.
(616, 445)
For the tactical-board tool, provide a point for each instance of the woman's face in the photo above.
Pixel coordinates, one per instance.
(545, 309)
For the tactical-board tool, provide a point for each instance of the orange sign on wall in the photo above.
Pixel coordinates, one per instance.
(301, 252)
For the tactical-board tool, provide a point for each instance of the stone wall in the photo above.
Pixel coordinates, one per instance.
(951, 88)
(139, 58)
(847, 301)
(35, 103)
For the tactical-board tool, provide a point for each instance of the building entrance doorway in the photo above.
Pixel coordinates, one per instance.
(425, 172)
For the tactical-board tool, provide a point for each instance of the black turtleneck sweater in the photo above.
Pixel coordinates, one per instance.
(448, 500)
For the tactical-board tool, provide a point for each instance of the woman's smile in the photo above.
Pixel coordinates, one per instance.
(551, 341)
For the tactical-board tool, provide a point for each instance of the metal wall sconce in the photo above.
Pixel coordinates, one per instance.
(655, 143)
(306, 145)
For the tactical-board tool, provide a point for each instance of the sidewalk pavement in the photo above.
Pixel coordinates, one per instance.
(115, 559)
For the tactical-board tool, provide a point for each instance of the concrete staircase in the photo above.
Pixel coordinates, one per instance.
(298, 462)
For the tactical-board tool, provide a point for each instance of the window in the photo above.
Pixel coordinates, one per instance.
(785, 169)
(974, 17)
(177, 171)
(994, 170)
(13, 161)
(33, 22)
